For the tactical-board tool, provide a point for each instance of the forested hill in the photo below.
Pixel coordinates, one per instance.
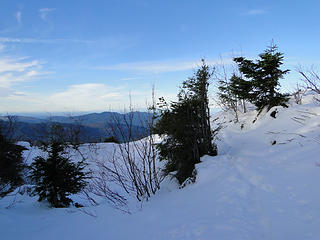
(94, 127)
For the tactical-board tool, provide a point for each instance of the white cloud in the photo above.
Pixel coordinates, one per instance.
(15, 70)
(128, 78)
(160, 67)
(112, 42)
(43, 12)
(15, 65)
(18, 16)
(156, 67)
(82, 97)
(37, 40)
(255, 12)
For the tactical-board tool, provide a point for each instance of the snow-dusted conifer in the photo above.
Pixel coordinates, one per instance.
(186, 125)
(56, 177)
(264, 75)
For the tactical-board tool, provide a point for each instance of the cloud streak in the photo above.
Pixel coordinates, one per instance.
(254, 12)
(114, 43)
(39, 40)
(160, 67)
(79, 97)
(86, 96)
(17, 70)
(43, 12)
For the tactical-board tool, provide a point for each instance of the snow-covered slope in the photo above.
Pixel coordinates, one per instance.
(263, 185)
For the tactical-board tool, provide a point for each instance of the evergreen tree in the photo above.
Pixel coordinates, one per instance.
(186, 125)
(195, 89)
(228, 99)
(264, 75)
(241, 89)
(11, 165)
(234, 92)
(56, 177)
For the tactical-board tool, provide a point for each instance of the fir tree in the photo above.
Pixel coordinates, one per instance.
(264, 75)
(228, 99)
(186, 125)
(11, 165)
(56, 177)
(196, 89)
(234, 92)
(241, 89)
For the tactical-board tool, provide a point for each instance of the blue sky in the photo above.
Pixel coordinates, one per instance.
(72, 56)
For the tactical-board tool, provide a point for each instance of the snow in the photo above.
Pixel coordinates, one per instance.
(262, 185)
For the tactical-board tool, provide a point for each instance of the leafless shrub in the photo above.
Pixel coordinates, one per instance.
(298, 94)
(99, 186)
(131, 169)
(311, 79)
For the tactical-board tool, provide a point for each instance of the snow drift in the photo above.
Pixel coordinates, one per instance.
(262, 185)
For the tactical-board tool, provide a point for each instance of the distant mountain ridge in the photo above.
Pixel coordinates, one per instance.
(95, 127)
(102, 119)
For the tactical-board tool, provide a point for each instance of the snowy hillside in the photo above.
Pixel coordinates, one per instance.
(264, 184)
